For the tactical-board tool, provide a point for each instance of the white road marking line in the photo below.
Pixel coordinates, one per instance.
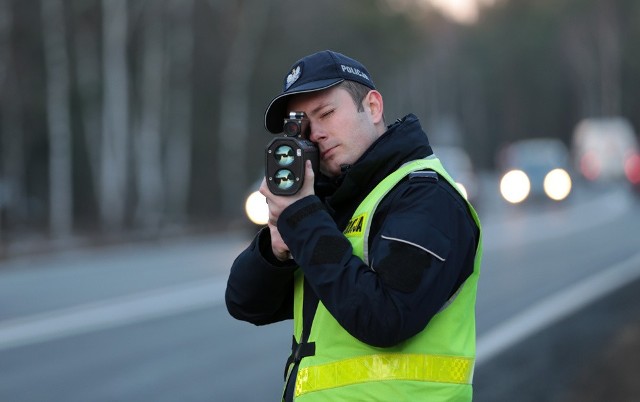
(110, 313)
(179, 299)
(163, 302)
(554, 308)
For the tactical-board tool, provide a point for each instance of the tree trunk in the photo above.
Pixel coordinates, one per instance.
(235, 96)
(13, 203)
(148, 143)
(179, 137)
(592, 43)
(12, 171)
(58, 119)
(5, 29)
(610, 57)
(582, 61)
(88, 83)
(6, 16)
(114, 161)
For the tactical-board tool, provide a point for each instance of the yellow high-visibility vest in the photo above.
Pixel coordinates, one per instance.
(434, 365)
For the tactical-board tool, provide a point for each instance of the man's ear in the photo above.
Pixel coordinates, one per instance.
(374, 105)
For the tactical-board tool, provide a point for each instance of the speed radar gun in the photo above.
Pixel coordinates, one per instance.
(286, 156)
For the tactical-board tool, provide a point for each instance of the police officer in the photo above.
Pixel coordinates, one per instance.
(376, 258)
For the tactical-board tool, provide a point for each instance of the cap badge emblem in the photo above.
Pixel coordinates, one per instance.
(292, 77)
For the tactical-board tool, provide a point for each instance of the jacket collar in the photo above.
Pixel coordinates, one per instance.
(403, 141)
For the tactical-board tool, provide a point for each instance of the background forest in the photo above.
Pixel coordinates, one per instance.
(145, 117)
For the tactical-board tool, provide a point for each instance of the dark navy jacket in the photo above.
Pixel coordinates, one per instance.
(407, 282)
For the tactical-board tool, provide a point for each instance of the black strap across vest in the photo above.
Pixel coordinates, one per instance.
(304, 348)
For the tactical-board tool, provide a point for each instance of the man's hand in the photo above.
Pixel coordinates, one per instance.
(278, 203)
(278, 246)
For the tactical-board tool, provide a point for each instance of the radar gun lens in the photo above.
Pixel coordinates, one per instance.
(284, 179)
(284, 155)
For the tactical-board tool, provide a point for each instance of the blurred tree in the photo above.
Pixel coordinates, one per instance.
(179, 121)
(515, 55)
(148, 135)
(628, 17)
(250, 18)
(59, 119)
(165, 99)
(88, 91)
(12, 173)
(592, 46)
(5, 37)
(115, 143)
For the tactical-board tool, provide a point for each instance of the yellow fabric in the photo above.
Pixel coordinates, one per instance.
(381, 367)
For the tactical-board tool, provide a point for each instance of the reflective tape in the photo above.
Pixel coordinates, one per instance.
(382, 367)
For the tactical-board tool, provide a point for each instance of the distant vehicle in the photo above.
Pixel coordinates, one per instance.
(255, 205)
(535, 168)
(459, 165)
(605, 149)
(632, 171)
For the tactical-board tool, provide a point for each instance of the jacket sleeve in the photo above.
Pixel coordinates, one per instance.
(421, 251)
(260, 289)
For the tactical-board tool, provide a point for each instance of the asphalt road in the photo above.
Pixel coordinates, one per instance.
(148, 322)
(590, 356)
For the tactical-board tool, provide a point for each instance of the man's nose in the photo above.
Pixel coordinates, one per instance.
(316, 134)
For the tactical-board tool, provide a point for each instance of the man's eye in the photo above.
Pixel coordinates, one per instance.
(327, 113)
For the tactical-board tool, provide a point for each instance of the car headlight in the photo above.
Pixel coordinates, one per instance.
(515, 186)
(257, 209)
(557, 184)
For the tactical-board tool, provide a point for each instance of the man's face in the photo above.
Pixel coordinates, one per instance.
(341, 132)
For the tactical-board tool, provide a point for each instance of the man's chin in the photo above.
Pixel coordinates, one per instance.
(327, 173)
(331, 169)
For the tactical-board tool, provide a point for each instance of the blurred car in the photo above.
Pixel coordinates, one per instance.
(255, 205)
(606, 149)
(459, 165)
(535, 168)
(632, 171)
